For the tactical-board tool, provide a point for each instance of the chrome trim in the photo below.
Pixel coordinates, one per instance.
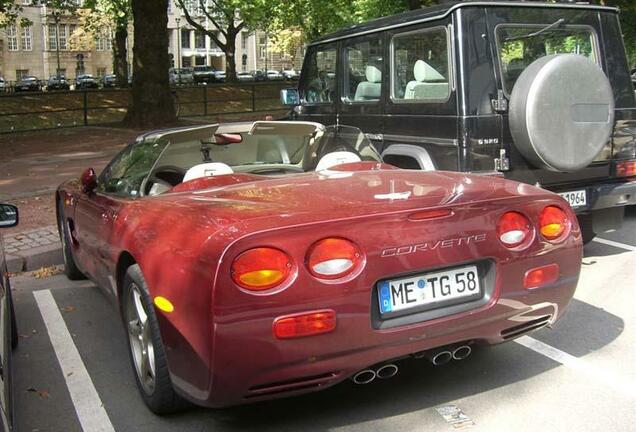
(411, 139)
(470, 4)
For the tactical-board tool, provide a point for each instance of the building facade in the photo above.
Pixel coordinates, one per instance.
(35, 50)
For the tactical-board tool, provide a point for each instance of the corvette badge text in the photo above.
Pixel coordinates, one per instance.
(433, 245)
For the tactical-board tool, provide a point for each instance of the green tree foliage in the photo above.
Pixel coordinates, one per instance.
(628, 24)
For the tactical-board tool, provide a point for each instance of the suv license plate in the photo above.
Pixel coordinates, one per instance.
(575, 198)
(432, 289)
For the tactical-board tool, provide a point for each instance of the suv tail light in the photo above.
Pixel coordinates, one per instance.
(513, 229)
(626, 168)
(553, 222)
(261, 268)
(333, 258)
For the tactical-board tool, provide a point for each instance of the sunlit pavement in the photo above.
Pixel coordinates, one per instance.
(579, 376)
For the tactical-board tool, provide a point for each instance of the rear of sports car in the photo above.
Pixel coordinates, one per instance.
(302, 307)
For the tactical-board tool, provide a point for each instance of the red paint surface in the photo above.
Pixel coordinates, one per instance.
(220, 344)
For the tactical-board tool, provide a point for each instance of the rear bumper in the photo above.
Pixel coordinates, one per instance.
(248, 364)
(612, 195)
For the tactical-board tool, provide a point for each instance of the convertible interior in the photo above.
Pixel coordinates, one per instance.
(262, 148)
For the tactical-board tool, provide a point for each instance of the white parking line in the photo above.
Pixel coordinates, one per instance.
(88, 405)
(615, 244)
(626, 388)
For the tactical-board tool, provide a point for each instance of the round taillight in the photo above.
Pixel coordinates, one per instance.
(333, 258)
(261, 268)
(553, 222)
(513, 229)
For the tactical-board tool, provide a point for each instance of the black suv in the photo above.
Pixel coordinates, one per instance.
(537, 92)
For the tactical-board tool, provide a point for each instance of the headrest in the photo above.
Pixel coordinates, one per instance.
(423, 72)
(336, 158)
(373, 74)
(207, 170)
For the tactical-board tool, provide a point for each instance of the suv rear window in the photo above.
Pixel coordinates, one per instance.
(520, 45)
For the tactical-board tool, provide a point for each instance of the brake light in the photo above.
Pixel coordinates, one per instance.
(553, 222)
(626, 168)
(261, 268)
(333, 258)
(513, 229)
(306, 324)
(541, 276)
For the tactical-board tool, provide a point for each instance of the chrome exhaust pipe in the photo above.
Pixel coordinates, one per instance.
(442, 357)
(365, 376)
(461, 352)
(386, 371)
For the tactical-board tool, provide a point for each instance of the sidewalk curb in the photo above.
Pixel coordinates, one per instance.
(35, 258)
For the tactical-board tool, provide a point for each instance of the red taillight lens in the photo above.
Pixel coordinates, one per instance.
(541, 276)
(262, 268)
(553, 222)
(306, 324)
(626, 168)
(333, 258)
(513, 229)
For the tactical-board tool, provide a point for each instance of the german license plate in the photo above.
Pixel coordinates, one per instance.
(429, 289)
(575, 198)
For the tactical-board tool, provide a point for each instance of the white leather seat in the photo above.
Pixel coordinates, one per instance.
(428, 84)
(370, 89)
(207, 170)
(330, 160)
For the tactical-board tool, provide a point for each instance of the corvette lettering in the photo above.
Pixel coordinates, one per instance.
(433, 245)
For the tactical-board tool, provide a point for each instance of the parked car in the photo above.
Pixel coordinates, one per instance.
(273, 75)
(550, 107)
(86, 81)
(254, 276)
(203, 74)
(109, 81)
(3, 85)
(259, 75)
(57, 83)
(290, 74)
(8, 327)
(245, 77)
(28, 83)
(182, 76)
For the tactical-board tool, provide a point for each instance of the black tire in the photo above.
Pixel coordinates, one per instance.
(70, 267)
(587, 229)
(161, 397)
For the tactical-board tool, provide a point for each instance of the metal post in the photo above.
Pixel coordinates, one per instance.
(253, 98)
(85, 108)
(205, 100)
(56, 17)
(178, 20)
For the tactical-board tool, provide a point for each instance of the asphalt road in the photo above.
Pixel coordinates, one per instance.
(578, 376)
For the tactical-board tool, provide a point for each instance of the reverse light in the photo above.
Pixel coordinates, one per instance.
(541, 276)
(513, 229)
(305, 324)
(261, 268)
(333, 258)
(553, 222)
(626, 168)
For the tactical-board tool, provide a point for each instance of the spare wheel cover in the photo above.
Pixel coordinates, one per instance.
(561, 112)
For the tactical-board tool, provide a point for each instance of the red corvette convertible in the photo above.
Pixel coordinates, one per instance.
(259, 260)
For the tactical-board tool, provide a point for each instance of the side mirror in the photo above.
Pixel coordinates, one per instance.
(8, 215)
(88, 180)
(289, 97)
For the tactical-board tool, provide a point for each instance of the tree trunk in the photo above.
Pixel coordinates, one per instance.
(230, 57)
(151, 104)
(120, 57)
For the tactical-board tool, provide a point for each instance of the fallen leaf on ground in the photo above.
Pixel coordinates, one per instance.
(46, 272)
(69, 309)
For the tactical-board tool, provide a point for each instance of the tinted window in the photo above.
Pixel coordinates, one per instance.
(420, 66)
(320, 77)
(126, 173)
(520, 46)
(363, 71)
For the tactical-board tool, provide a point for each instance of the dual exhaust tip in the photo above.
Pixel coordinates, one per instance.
(366, 376)
(438, 357)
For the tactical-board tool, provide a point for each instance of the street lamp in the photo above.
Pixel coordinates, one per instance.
(56, 17)
(178, 20)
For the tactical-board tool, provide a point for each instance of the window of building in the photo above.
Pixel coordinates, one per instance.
(244, 37)
(25, 39)
(63, 37)
(12, 38)
(319, 84)
(103, 41)
(52, 37)
(199, 39)
(420, 70)
(63, 72)
(363, 71)
(101, 71)
(21, 73)
(186, 62)
(199, 61)
(185, 38)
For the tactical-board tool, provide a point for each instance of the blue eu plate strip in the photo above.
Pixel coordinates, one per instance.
(385, 297)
